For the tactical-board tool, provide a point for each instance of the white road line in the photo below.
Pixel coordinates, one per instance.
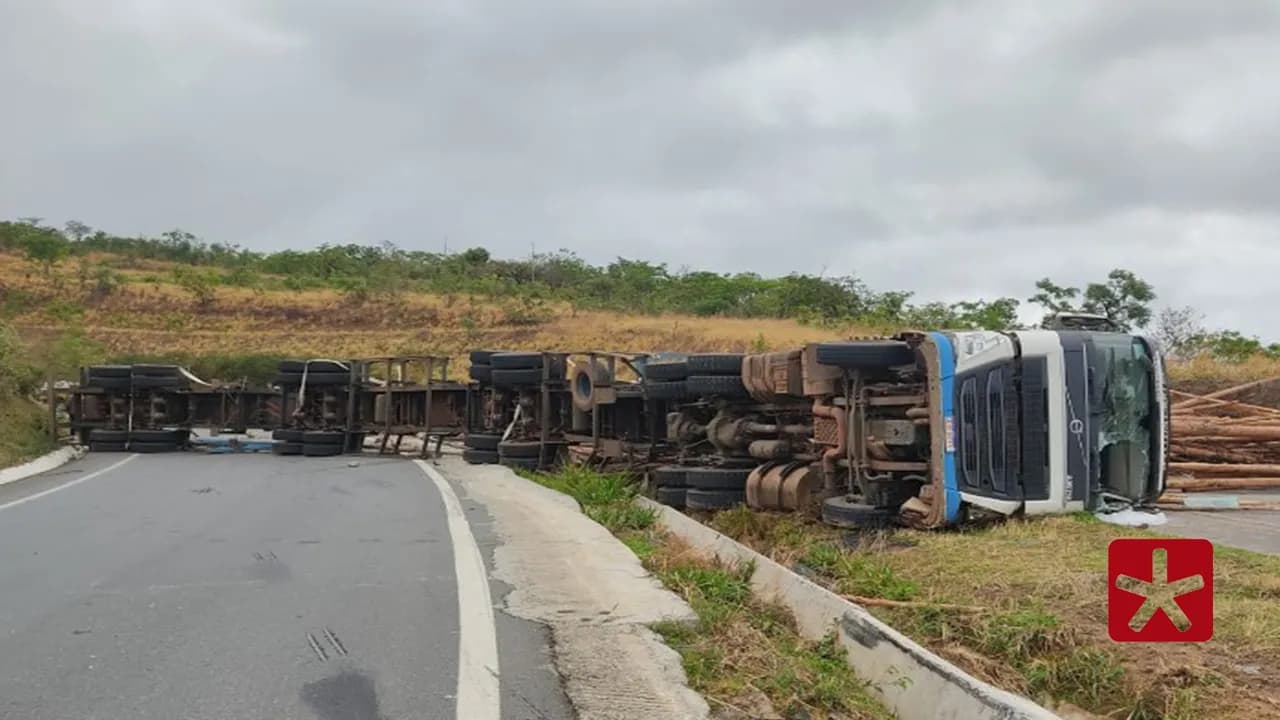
(478, 692)
(64, 486)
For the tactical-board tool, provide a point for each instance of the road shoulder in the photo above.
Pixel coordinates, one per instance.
(570, 574)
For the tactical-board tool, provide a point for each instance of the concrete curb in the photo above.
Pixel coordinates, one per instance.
(44, 463)
(911, 681)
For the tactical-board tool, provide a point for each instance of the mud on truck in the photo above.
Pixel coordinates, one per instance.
(925, 428)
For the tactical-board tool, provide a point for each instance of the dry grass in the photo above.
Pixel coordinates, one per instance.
(1043, 584)
(158, 317)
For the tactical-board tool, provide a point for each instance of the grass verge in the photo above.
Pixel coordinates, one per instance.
(1035, 623)
(742, 654)
(24, 430)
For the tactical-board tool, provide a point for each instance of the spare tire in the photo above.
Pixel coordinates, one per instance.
(866, 354)
(715, 364)
(725, 386)
(670, 370)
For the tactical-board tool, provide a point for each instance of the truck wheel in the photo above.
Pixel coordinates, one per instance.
(286, 448)
(481, 357)
(481, 373)
(715, 364)
(324, 437)
(525, 377)
(519, 462)
(480, 457)
(107, 382)
(321, 450)
(666, 390)
(866, 354)
(668, 476)
(102, 435)
(157, 382)
(696, 499)
(287, 435)
(714, 478)
(153, 447)
(671, 370)
(725, 386)
(107, 447)
(116, 371)
(520, 449)
(516, 361)
(153, 436)
(482, 441)
(841, 512)
(672, 496)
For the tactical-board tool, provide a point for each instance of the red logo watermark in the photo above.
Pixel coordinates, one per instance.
(1160, 590)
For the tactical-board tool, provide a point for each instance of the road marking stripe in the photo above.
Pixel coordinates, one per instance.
(64, 486)
(478, 691)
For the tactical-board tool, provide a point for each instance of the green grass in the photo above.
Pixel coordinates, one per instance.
(24, 430)
(1041, 627)
(741, 653)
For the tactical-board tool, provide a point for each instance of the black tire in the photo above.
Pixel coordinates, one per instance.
(890, 495)
(482, 441)
(866, 354)
(153, 436)
(108, 383)
(842, 512)
(103, 435)
(155, 370)
(516, 360)
(521, 449)
(517, 378)
(725, 386)
(482, 373)
(480, 457)
(481, 357)
(324, 437)
(696, 499)
(287, 435)
(114, 371)
(715, 364)
(321, 450)
(107, 447)
(157, 382)
(670, 370)
(668, 476)
(672, 496)
(666, 390)
(153, 447)
(286, 448)
(519, 462)
(715, 478)
(314, 378)
(291, 367)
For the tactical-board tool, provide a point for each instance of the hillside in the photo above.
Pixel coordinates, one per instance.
(148, 309)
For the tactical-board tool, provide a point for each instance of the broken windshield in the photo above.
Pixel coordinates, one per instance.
(1122, 369)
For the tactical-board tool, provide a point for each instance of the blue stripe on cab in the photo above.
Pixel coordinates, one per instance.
(947, 371)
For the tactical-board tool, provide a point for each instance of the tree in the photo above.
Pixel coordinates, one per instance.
(1180, 331)
(45, 246)
(1054, 298)
(1124, 298)
(77, 230)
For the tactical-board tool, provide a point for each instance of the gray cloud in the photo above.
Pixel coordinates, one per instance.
(957, 149)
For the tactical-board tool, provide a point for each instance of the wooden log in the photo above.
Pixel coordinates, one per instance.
(1234, 483)
(1225, 392)
(1195, 452)
(1216, 430)
(1226, 469)
(1204, 402)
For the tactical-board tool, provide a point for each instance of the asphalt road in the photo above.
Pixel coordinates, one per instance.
(183, 586)
(1257, 530)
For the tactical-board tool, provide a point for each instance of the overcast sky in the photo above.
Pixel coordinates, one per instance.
(959, 149)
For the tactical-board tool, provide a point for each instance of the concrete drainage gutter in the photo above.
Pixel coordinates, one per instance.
(44, 463)
(911, 681)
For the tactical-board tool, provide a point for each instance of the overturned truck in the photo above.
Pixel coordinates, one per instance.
(925, 428)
